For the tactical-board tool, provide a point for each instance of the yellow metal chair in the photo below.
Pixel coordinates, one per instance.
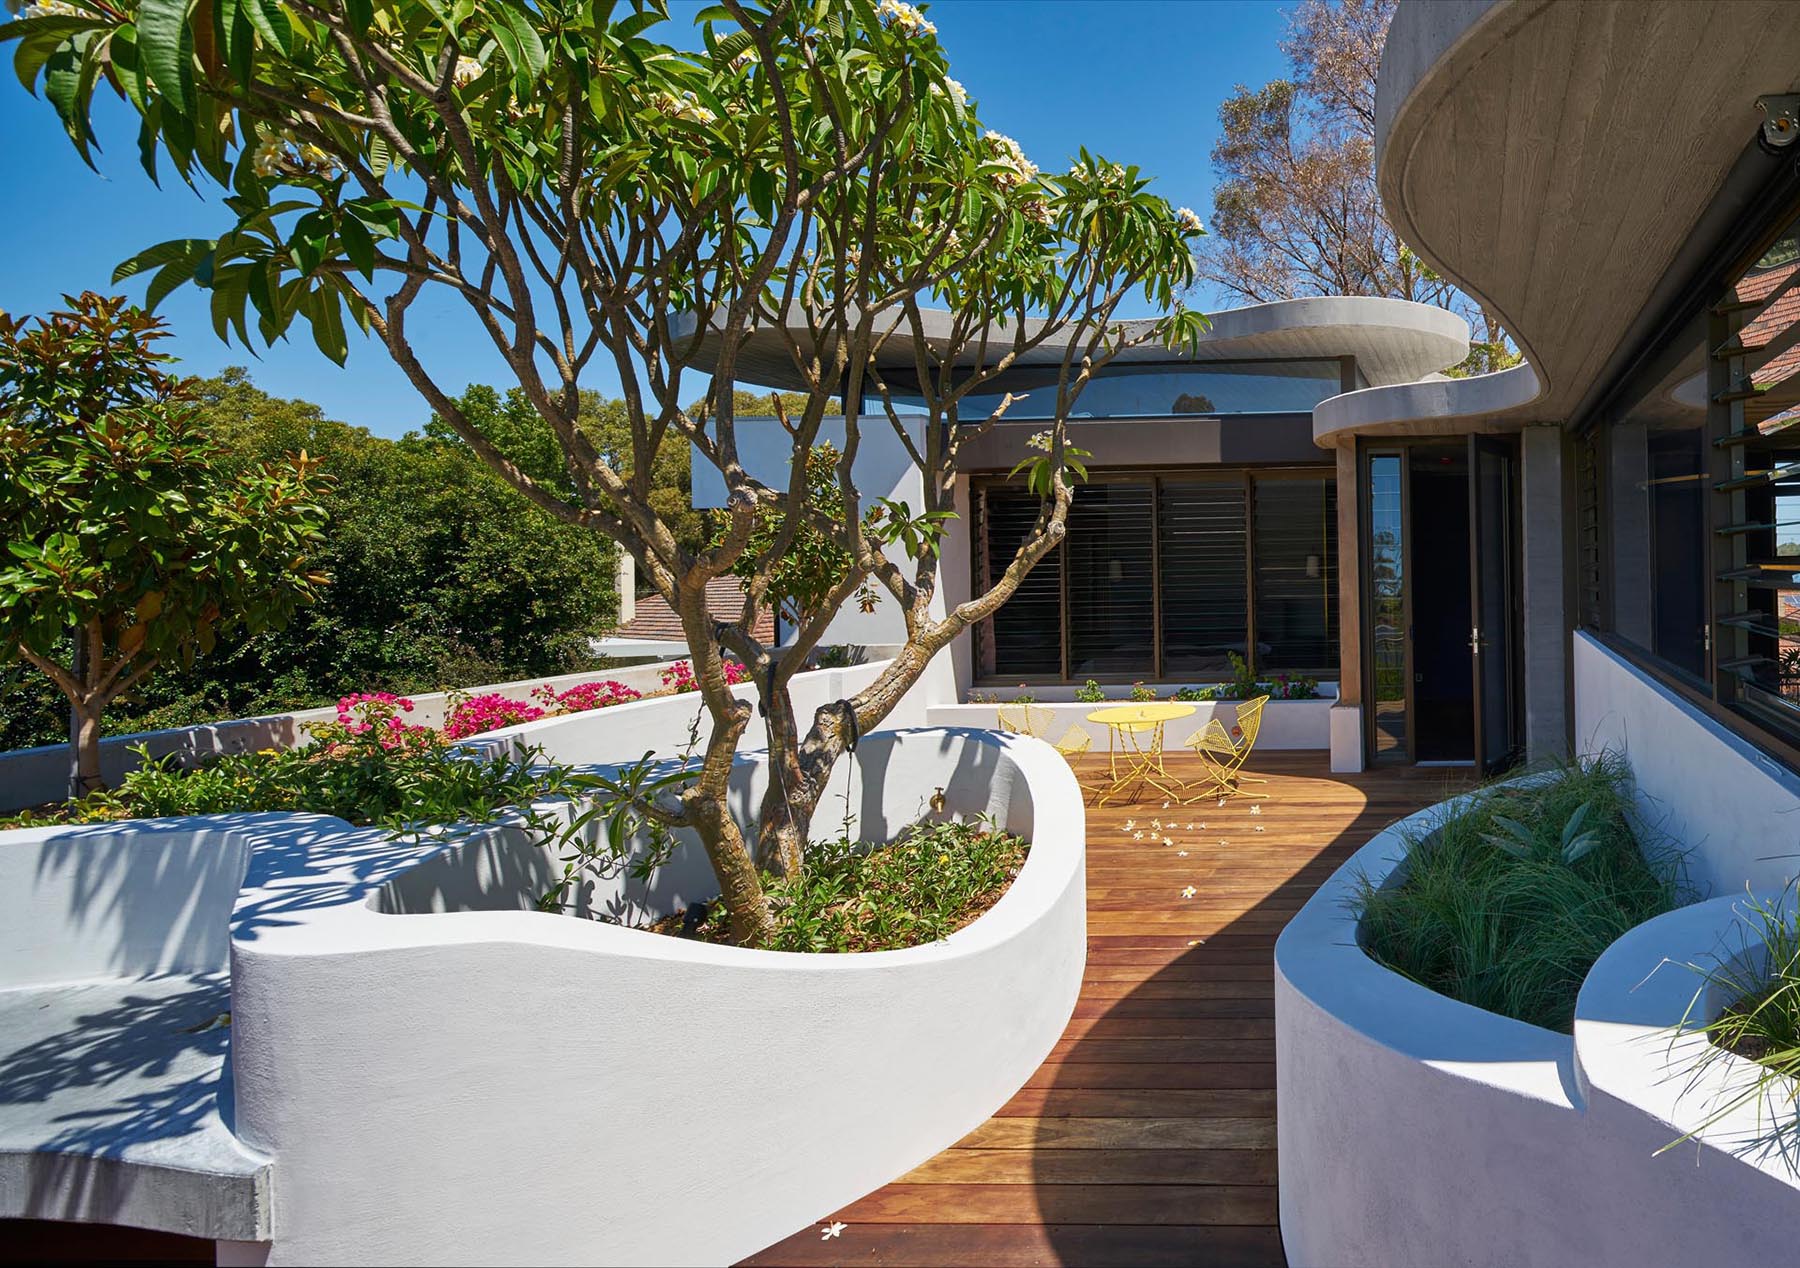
(1026, 719)
(1223, 753)
(1076, 743)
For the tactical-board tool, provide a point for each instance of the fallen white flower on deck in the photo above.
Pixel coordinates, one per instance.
(1189, 892)
(1129, 825)
(1168, 840)
(1137, 836)
(1197, 942)
(831, 1230)
(1255, 810)
(1257, 827)
(1181, 854)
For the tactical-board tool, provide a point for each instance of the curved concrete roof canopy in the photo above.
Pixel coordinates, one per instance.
(1393, 341)
(1554, 160)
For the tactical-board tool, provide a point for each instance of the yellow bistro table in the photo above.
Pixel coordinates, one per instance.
(1135, 742)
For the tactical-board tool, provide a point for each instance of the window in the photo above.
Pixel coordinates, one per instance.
(1112, 590)
(1692, 486)
(1296, 574)
(1166, 577)
(1025, 635)
(1203, 533)
(1150, 390)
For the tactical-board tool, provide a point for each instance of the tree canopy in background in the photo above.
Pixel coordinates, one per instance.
(440, 577)
(1296, 211)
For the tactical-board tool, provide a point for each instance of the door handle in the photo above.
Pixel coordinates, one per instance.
(1475, 640)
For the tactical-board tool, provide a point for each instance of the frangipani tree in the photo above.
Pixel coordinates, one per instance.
(594, 196)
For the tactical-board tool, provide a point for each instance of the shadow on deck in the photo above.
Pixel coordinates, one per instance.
(1148, 1137)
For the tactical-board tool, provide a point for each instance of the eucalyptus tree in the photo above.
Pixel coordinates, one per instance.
(592, 195)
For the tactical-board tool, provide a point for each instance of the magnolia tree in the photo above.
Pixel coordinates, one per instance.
(594, 197)
(129, 541)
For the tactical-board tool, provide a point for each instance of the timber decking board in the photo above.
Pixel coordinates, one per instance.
(1148, 1136)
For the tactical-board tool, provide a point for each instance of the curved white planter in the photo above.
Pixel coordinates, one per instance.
(1417, 1130)
(437, 1073)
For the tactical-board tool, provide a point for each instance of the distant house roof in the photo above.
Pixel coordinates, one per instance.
(657, 622)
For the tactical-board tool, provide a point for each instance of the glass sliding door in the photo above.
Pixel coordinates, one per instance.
(1493, 485)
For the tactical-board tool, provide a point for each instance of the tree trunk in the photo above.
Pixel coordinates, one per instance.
(752, 924)
(784, 821)
(84, 740)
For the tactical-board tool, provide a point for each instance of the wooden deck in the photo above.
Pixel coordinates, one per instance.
(1148, 1137)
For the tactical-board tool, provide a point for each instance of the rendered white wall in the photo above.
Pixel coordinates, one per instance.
(33, 776)
(441, 1074)
(883, 469)
(1415, 1131)
(1711, 790)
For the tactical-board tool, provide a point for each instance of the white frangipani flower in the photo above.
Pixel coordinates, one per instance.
(1016, 170)
(467, 71)
(1187, 221)
(904, 18)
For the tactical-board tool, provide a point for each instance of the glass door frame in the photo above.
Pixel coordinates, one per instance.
(1367, 451)
(1482, 640)
(1401, 447)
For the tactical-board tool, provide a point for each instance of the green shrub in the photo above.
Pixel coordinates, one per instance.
(1506, 903)
(362, 783)
(1142, 692)
(1090, 692)
(933, 880)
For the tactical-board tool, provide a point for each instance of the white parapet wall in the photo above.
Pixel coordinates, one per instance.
(1417, 1131)
(424, 1068)
(1286, 724)
(35, 776)
(1734, 808)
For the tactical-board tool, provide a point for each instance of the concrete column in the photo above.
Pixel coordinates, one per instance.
(1346, 714)
(627, 584)
(1544, 655)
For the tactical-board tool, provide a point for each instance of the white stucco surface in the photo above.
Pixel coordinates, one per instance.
(437, 1072)
(33, 776)
(1286, 724)
(1418, 1131)
(1734, 807)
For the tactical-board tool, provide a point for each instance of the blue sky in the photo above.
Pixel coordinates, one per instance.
(1137, 80)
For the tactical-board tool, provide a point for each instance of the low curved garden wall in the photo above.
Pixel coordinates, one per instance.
(436, 1072)
(1417, 1130)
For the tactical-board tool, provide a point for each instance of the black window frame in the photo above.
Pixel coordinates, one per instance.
(1743, 230)
(1156, 670)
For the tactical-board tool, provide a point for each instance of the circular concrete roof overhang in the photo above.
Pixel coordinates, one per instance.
(1554, 158)
(1393, 341)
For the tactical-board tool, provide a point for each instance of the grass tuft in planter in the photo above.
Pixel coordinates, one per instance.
(1507, 902)
(1762, 1023)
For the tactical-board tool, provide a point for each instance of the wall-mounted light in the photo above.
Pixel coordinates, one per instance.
(1115, 571)
(1312, 566)
(1781, 121)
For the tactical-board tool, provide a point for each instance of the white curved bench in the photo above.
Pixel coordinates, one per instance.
(425, 1069)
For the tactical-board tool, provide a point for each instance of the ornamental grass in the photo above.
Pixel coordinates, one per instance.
(1506, 902)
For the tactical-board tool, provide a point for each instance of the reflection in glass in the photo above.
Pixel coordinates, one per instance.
(1150, 391)
(1387, 604)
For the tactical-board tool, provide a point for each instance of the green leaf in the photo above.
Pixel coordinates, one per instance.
(168, 49)
(518, 36)
(271, 23)
(160, 254)
(378, 156)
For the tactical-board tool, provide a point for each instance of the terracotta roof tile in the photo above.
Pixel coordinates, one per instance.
(656, 620)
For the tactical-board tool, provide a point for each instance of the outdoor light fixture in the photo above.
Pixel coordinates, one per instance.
(1312, 566)
(1115, 571)
(1781, 121)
